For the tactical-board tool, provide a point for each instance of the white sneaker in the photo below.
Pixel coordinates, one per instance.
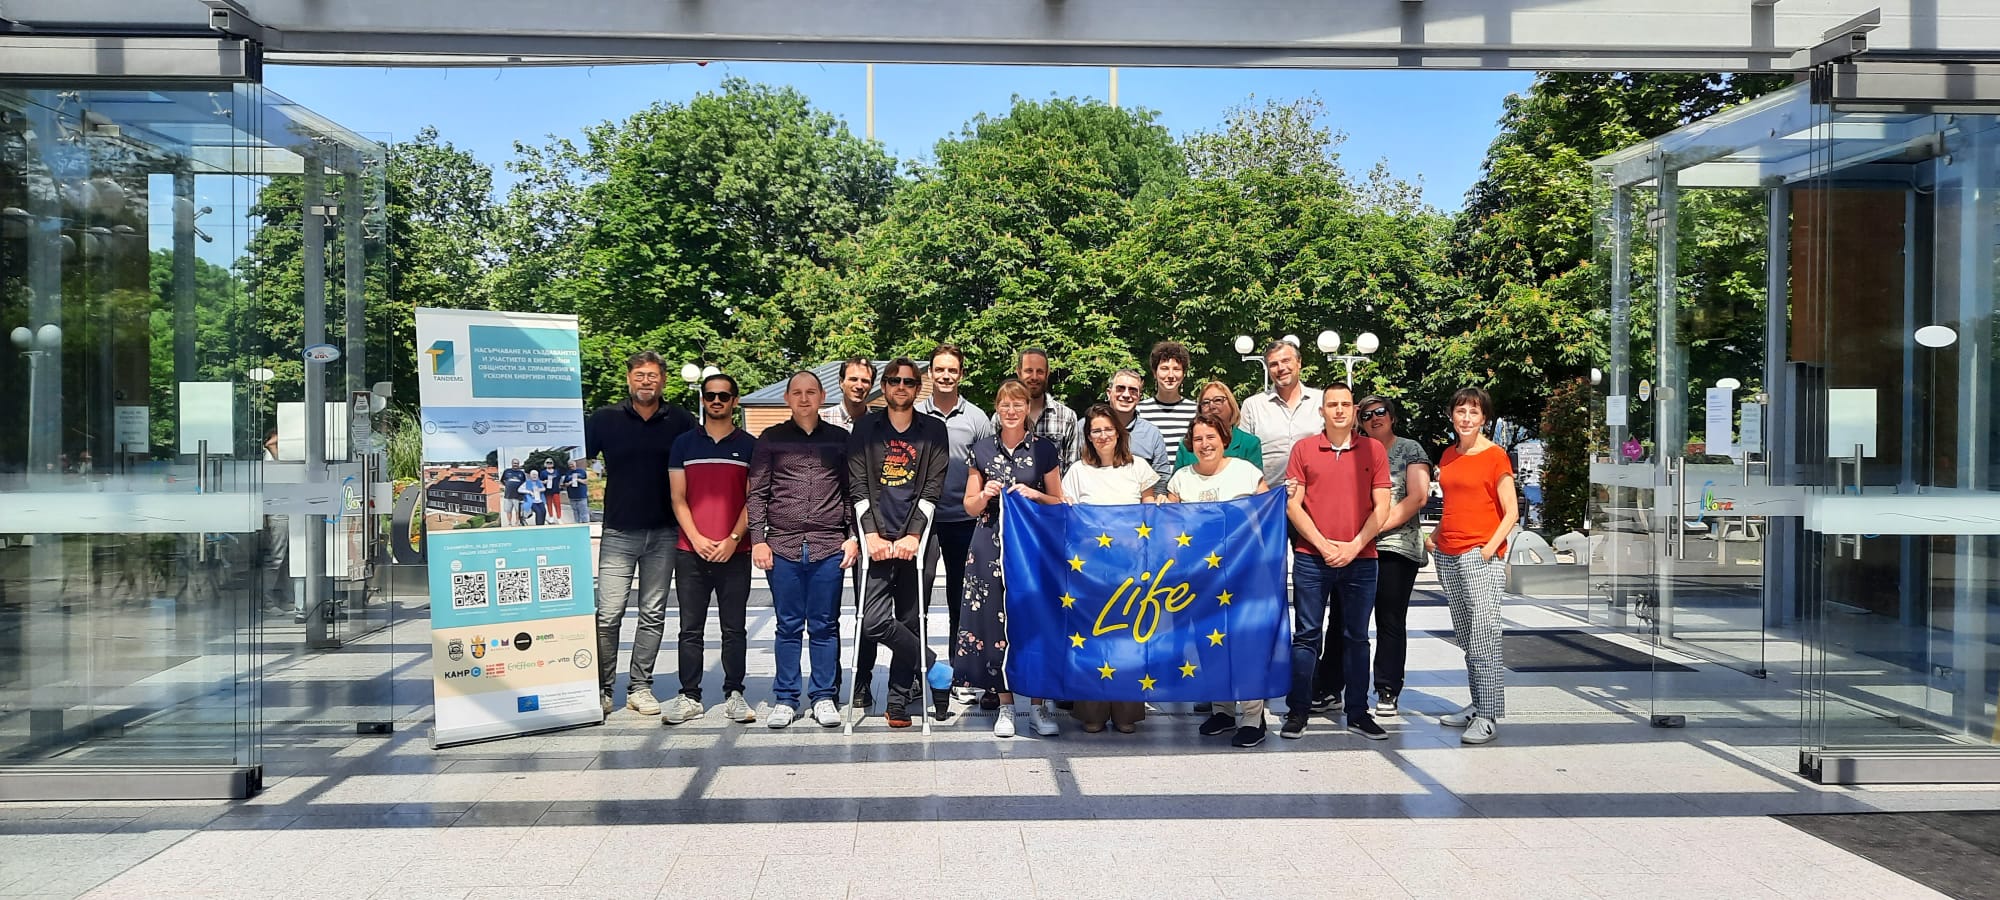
(826, 713)
(1459, 719)
(681, 709)
(641, 701)
(1043, 720)
(1480, 731)
(782, 715)
(737, 709)
(1004, 726)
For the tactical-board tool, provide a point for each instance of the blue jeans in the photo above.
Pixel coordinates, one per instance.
(806, 595)
(1349, 593)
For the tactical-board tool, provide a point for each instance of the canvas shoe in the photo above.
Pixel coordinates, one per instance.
(604, 700)
(1480, 731)
(1366, 726)
(1295, 727)
(1003, 727)
(1248, 736)
(1459, 719)
(737, 709)
(1043, 720)
(682, 708)
(641, 701)
(896, 716)
(1327, 703)
(781, 716)
(826, 713)
(1385, 704)
(1220, 723)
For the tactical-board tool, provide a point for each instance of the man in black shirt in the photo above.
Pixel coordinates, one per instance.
(636, 437)
(895, 460)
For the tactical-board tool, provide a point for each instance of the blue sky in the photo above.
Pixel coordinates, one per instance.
(1433, 125)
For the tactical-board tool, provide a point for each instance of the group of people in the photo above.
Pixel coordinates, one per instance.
(845, 487)
(538, 494)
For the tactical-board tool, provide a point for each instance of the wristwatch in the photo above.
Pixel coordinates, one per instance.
(736, 536)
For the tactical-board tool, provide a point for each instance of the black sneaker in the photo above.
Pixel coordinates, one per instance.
(1327, 703)
(1220, 723)
(1248, 736)
(1295, 728)
(989, 700)
(1366, 727)
(864, 695)
(1385, 703)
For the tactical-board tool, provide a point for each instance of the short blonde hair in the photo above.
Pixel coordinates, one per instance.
(1234, 413)
(1012, 388)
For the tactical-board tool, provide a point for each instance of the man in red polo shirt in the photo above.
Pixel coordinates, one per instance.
(1339, 481)
(710, 473)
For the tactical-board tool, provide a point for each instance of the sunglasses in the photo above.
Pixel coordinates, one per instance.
(900, 381)
(1123, 389)
(1376, 413)
(716, 396)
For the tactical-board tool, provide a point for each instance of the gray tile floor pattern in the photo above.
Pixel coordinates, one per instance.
(1578, 798)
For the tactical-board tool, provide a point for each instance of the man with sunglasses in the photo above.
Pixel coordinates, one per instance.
(636, 437)
(896, 459)
(1148, 444)
(710, 473)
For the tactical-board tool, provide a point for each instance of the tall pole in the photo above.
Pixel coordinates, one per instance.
(1114, 87)
(183, 272)
(313, 229)
(354, 256)
(871, 104)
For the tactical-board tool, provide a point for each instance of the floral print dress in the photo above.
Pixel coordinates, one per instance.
(979, 650)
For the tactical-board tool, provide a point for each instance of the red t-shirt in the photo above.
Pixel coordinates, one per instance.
(1339, 486)
(1471, 486)
(718, 481)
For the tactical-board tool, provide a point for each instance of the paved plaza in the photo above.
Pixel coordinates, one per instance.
(1579, 797)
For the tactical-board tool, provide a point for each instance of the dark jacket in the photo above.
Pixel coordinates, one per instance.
(866, 450)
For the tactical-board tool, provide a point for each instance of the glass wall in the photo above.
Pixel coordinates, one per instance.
(1803, 427)
(152, 298)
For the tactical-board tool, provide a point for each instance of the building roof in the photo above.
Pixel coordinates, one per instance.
(829, 381)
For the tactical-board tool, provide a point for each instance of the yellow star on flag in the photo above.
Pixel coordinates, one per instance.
(1184, 539)
(1215, 638)
(1068, 601)
(1106, 671)
(1224, 597)
(1214, 560)
(1076, 563)
(1076, 640)
(1146, 683)
(1187, 670)
(1104, 540)
(1145, 531)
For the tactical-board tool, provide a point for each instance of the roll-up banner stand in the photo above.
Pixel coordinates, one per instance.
(513, 610)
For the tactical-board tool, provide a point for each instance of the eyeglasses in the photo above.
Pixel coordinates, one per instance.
(900, 381)
(1103, 432)
(1376, 413)
(1123, 389)
(1210, 401)
(716, 396)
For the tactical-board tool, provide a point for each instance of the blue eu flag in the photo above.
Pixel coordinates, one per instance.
(1171, 603)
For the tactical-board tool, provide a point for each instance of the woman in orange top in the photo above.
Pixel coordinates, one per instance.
(1479, 513)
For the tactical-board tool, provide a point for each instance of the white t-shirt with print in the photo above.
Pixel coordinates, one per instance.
(1236, 479)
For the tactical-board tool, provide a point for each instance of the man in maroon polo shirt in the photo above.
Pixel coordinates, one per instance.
(1340, 483)
(710, 475)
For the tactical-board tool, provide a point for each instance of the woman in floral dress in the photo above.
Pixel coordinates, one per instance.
(1011, 460)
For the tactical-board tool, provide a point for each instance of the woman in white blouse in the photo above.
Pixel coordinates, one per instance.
(1105, 474)
(1213, 477)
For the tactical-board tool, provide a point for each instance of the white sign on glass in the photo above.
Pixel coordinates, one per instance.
(1721, 437)
(1753, 427)
(132, 429)
(1614, 411)
(208, 414)
(1850, 422)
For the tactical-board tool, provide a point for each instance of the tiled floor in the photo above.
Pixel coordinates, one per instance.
(1578, 798)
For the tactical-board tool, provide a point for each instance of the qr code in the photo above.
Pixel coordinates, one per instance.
(516, 587)
(555, 584)
(468, 590)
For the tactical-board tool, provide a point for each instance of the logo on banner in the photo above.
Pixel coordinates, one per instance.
(477, 671)
(523, 641)
(455, 649)
(530, 703)
(581, 659)
(444, 361)
(478, 647)
(538, 428)
(481, 426)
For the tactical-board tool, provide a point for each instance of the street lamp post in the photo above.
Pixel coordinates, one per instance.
(694, 374)
(1244, 346)
(1329, 344)
(35, 344)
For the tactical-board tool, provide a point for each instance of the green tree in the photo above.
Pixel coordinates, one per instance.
(695, 216)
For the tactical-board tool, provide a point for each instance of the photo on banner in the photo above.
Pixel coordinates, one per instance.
(513, 612)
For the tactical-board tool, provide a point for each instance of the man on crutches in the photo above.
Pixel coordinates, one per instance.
(896, 466)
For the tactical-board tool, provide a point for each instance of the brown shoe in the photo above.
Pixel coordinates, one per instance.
(896, 717)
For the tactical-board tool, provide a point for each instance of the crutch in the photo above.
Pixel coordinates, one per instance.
(927, 509)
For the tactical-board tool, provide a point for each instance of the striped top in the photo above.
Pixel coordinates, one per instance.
(1172, 419)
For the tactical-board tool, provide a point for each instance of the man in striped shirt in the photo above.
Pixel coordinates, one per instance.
(1168, 409)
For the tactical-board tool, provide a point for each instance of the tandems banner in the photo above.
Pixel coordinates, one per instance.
(1177, 602)
(513, 610)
